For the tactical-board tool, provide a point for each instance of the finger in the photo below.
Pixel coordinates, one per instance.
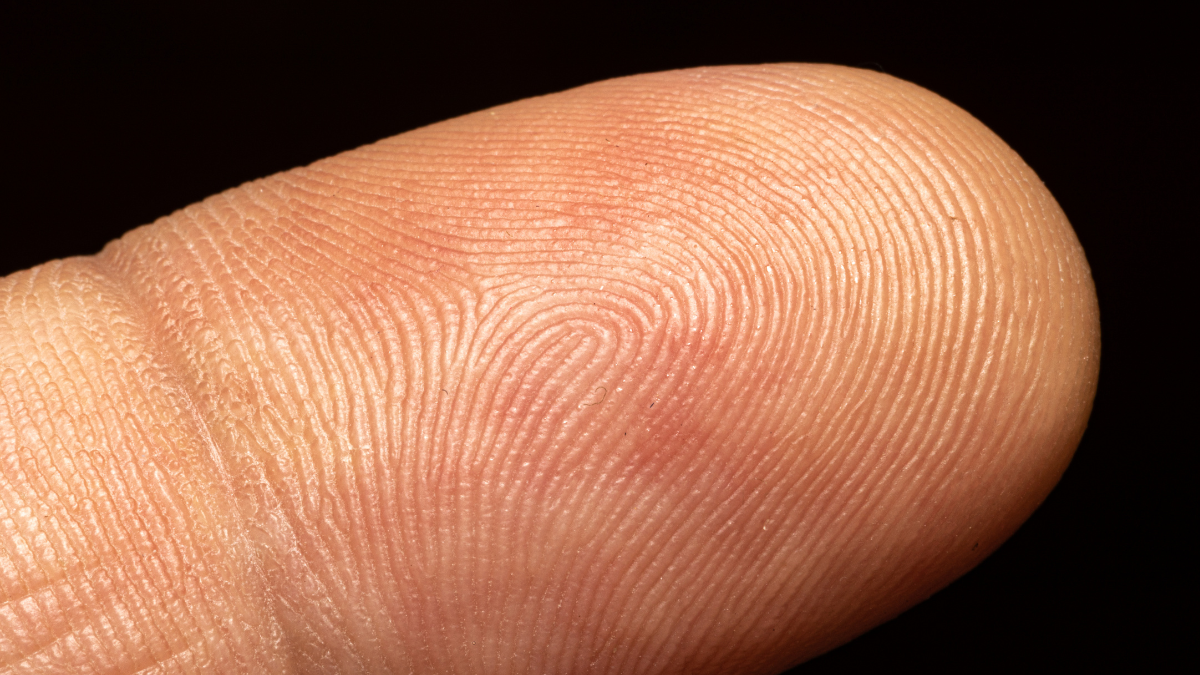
(686, 372)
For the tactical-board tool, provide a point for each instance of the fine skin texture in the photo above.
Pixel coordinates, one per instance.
(704, 371)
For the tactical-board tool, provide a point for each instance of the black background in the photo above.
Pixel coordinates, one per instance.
(114, 117)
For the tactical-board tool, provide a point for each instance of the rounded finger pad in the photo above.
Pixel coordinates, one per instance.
(700, 371)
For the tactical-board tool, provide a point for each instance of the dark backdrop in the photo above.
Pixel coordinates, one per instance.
(114, 117)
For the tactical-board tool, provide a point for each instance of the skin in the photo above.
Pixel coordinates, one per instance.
(702, 371)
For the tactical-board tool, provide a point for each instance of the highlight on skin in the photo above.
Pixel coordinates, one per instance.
(702, 371)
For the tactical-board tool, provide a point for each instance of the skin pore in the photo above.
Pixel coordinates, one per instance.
(700, 371)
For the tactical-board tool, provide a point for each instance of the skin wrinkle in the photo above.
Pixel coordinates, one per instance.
(259, 345)
(150, 558)
(846, 341)
(43, 376)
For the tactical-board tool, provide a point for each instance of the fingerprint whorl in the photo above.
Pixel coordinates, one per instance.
(828, 283)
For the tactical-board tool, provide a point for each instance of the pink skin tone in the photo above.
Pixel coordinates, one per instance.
(699, 371)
